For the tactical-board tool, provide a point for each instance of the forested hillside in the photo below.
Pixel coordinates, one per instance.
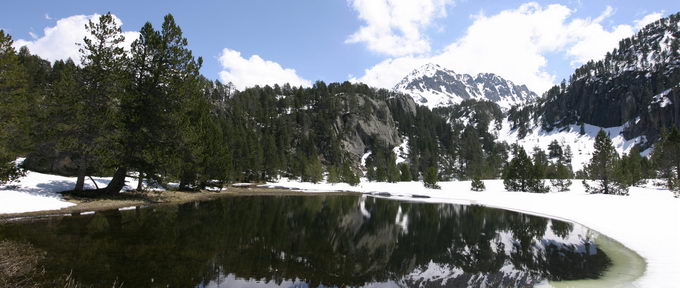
(148, 112)
(636, 85)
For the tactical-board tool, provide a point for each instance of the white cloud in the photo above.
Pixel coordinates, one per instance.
(647, 19)
(387, 73)
(514, 44)
(395, 27)
(47, 17)
(59, 42)
(253, 71)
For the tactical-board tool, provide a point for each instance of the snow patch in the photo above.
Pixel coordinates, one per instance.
(38, 192)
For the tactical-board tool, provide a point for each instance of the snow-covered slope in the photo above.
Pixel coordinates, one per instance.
(433, 86)
(581, 145)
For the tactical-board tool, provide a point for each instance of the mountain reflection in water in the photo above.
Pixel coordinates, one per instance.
(311, 241)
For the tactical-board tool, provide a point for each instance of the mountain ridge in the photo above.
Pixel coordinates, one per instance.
(434, 86)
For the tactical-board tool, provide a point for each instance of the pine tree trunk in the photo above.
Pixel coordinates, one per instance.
(140, 182)
(82, 169)
(183, 185)
(606, 186)
(118, 181)
(94, 182)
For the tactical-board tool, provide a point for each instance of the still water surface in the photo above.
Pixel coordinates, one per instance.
(312, 241)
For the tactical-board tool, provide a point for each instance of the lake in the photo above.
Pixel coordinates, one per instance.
(310, 241)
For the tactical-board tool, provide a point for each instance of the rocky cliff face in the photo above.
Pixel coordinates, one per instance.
(368, 121)
(434, 86)
(635, 85)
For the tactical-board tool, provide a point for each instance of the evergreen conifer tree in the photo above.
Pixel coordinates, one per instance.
(313, 170)
(405, 172)
(666, 158)
(477, 184)
(602, 168)
(555, 150)
(333, 174)
(393, 174)
(13, 93)
(430, 179)
(348, 176)
(630, 168)
(104, 62)
(163, 112)
(562, 178)
(520, 174)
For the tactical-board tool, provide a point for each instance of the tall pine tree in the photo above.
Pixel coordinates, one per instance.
(666, 158)
(602, 168)
(104, 75)
(13, 100)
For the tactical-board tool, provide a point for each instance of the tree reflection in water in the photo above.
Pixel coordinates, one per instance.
(311, 241)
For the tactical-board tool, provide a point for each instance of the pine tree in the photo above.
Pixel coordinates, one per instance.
(520, 174)
(13, 118)
(568, 155)
(348, 176)
(582, 129)
(555, 150)
(333, 174)
(540, 161)
(162, 113)
(562, 178)
(602, 168)
(393, 174)
(313, 170)
(370, 172)
(103, 60)
(666, 159)
(430, 179)
(517, 170)
(471, 153)
(477, 184)
(630, 168)
(405, 172)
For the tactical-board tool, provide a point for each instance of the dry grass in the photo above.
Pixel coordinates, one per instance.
(19, 264)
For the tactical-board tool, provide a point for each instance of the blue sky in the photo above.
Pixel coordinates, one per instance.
(373, 41)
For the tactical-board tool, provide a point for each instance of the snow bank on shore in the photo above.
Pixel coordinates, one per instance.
(647, 221)
(38, 192)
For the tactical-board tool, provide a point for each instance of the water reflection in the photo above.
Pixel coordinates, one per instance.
(312, 241)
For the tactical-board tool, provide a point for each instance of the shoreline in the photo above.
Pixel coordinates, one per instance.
(126, 200)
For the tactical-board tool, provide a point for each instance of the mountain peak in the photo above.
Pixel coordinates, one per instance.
(434, 86)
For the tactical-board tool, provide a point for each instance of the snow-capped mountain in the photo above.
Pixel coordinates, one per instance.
(433, 85)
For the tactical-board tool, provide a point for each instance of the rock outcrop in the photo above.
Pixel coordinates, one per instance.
(636, 86)
(366, 122)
